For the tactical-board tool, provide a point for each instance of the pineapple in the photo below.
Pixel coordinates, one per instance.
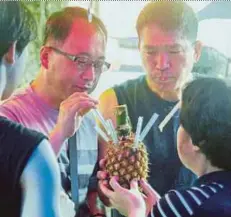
(123, 159)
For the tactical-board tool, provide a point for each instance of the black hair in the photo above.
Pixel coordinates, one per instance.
(206, 116)
(17, 24)
(170, 16)
(59, 23)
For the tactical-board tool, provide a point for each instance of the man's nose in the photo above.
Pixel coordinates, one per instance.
(162, 61)
(89, 74)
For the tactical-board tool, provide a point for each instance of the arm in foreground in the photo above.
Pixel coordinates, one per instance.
(41, 183)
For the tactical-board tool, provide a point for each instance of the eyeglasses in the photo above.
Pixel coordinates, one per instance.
(84, 62)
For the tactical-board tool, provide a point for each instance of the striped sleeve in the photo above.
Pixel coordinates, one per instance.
(184, 203)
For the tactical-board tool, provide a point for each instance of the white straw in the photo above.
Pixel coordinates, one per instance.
(113, 132)
(101, 119)
(89, 12)
(101, 133)
(110, 133)
(148, 126)
(138, 129)
(169, 116)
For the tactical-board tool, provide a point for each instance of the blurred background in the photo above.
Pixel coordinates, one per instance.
(122, 51)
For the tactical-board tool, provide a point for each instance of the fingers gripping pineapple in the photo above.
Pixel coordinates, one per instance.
(124, 158)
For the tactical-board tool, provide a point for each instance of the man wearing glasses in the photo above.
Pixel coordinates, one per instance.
(72, 60)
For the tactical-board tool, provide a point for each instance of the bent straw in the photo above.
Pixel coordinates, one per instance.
(148, 126)
(113, 132)
(138, 129)
(169, 116)
(101, 133)
(98, 115)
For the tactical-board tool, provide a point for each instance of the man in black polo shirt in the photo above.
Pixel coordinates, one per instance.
(204, 146)
(168, 45)
(29, 177)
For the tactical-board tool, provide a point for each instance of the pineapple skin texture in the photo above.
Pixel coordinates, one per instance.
(127, 162)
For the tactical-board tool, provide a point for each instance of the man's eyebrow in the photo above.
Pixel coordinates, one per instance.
(175, 45)
(149, 47)
(167, 45)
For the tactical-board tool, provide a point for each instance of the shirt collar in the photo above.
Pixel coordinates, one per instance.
(223, 177)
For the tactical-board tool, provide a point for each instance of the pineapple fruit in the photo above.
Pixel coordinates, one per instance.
(124, 159)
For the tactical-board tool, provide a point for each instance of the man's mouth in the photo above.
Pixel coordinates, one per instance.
(164, 79)
(82, 89)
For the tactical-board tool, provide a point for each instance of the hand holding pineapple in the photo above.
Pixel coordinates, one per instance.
(126, 161)
(126, 155)
(129, 202)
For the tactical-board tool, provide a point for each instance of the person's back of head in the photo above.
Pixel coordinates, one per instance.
(205, 115)
(170, 16)
(59, 24)
(16, 25)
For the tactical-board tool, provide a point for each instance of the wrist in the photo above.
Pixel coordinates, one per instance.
(57, 139)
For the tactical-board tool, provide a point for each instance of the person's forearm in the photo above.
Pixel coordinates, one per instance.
(57, 140)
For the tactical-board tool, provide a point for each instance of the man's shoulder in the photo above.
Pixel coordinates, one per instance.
(18, 106)
(20, 97)
(112, 93)
(107, 94)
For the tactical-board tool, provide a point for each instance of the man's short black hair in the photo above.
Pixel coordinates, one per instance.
(16, 24)
(170, 16)
(59, 23)
(206, 116)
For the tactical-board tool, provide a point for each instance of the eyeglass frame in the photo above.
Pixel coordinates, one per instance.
(74, 58)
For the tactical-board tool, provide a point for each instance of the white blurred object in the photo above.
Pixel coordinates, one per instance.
(216, 33)
(90, 12)
(67, 206)
(120, 16)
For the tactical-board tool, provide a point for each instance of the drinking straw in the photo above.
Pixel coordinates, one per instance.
(148, 126)
(101, 133)
(138, 129)
(113, 132)
(169, 116)
(101, 119)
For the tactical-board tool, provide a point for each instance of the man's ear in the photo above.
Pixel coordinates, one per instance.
(197, 50)
(10, 56)
(44, 54)
(195, 148)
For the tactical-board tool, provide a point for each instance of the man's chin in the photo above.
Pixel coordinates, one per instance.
(166, 86)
